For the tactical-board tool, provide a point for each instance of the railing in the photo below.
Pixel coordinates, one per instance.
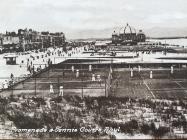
(47, 86)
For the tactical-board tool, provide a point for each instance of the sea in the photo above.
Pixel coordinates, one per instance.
(181, 42)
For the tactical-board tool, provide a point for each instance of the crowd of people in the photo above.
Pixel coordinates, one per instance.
(37, 60)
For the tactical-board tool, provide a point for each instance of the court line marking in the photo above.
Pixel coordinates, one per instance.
(180, 86)
(147, 86)
(149, 89)
(133, 92)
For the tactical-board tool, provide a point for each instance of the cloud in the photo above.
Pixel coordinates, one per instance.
(62, 15)
(166, 17)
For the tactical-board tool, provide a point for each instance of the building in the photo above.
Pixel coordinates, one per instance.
(10, 42)
(128, 36)
(28, 39)
(58, 39)
(141, 36)
(25, 37)
(10, 59)
(1, 43)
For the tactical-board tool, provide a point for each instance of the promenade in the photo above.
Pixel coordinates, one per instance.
(35, 60)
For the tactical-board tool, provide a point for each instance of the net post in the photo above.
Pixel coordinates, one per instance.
(35, 85)
(58, 84)
(82, 88)
(105, 87)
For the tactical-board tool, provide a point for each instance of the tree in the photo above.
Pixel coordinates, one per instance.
(145, 128)
(160, 132)
(133, 124)
(152, 127)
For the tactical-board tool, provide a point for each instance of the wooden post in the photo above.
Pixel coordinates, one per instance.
(151, 74)
(61, 93)
(139, 68)
(171, 69)
(72, 68)
(82, 88)
(48, 73)
(58, 85)
(90, 67)
(131, 72)
(77, 74)
(105, 87)
(35, 86)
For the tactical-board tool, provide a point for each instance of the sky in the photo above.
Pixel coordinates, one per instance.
(71, 16)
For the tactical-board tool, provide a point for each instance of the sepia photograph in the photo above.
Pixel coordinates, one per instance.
(93, 69)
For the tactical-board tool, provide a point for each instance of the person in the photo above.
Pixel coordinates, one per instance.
(11, 76)
(3, 85)
(49, 61)
(6, 84)
(93, 77)
(33, 70)
(38, 69)
(48, 103)
(29, 68)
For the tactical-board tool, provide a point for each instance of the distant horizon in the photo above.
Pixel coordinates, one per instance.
(74, 17)
(107, 35)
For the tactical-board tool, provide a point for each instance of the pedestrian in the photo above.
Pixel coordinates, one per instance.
(5, 84)
(11, 76)
(33, 70)
(28, 68)
(93, 77)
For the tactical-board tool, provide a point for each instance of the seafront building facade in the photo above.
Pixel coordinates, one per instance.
(125, 37)
(1, 42)
(28, 39)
